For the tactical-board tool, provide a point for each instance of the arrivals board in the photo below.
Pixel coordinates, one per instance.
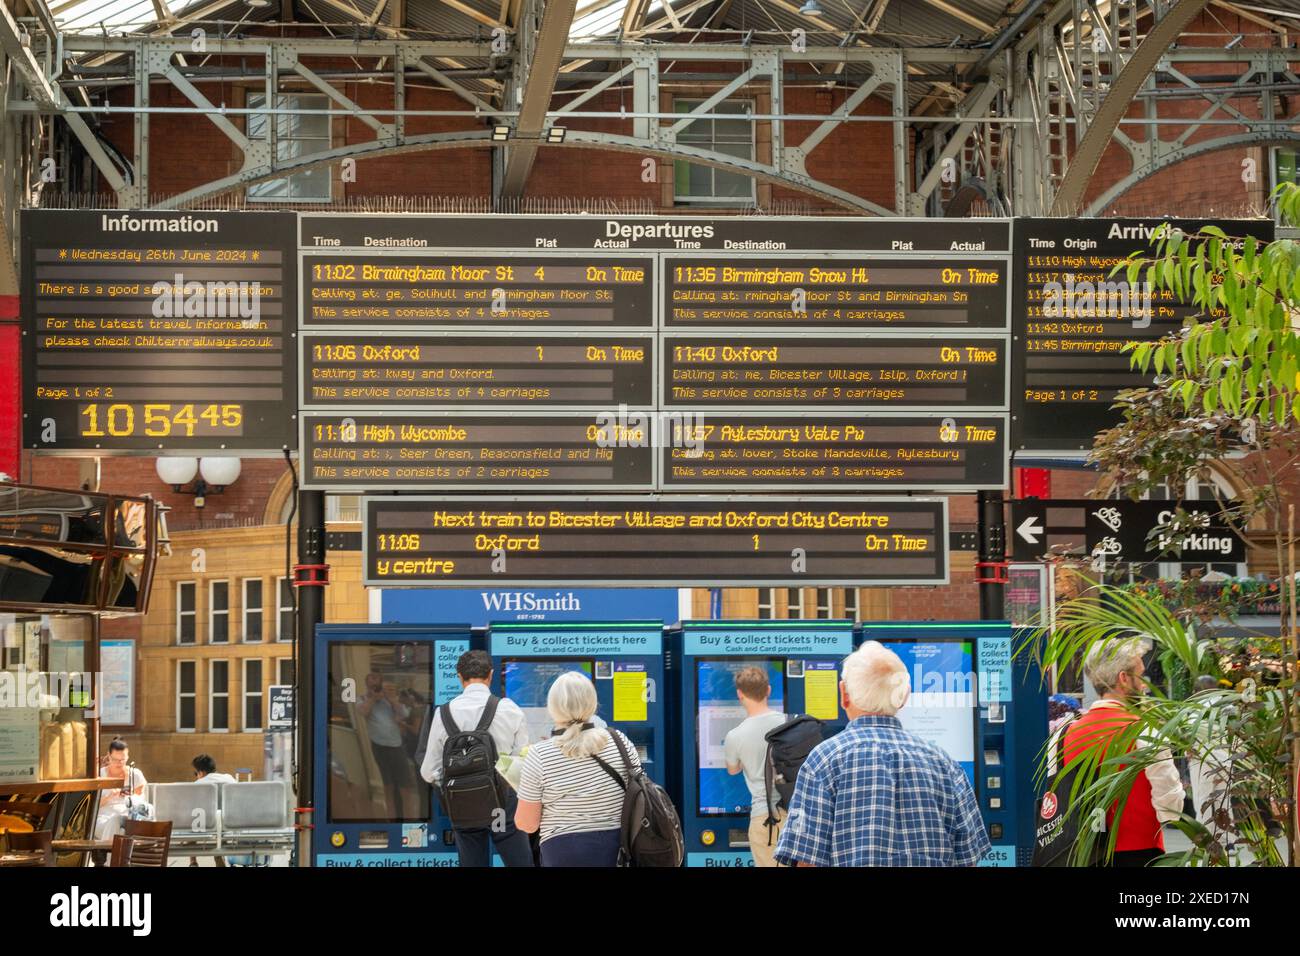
(735, 541)
(159, 330)
(1072, 319)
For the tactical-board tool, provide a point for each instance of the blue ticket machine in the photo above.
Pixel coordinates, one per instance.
(986, 710)
(377, 687)
(625, 661)
(802, 660)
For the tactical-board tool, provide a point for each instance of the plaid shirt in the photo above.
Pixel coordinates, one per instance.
(875, 795)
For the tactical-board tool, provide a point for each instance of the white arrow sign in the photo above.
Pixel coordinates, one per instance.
(1030, 529)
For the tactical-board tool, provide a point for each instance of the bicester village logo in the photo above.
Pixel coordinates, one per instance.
(74, 910)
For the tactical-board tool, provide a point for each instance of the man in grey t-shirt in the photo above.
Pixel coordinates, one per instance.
(745, 748)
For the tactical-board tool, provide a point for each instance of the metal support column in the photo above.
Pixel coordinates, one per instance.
(991, 567)
(310, 580)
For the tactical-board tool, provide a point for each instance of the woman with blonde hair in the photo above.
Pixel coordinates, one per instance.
(564, 791)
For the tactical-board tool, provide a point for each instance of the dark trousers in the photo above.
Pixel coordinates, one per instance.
(395, 771)
(475, 846)
(582, 849)
(1136, 858)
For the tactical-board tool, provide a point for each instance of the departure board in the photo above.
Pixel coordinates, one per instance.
(509, 290)
(520, 369)
(1072, 319)
(948, 373)
(735, 541)
(159, 330)
(414, 451)
(879, 293)
(813, 452)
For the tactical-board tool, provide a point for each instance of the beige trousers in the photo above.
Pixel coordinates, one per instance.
(758, 837)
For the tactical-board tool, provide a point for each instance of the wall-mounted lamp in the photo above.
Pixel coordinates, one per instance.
(500, 134)
(215, 475)
(556, 134)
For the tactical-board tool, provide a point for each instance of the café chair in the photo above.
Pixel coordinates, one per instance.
(38, 841)
(147, 843)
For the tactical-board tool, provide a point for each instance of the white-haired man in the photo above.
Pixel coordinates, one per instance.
(876, 795)
(1116, 669)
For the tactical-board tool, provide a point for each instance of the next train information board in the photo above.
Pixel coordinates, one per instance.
(159, 330)
(412, 542)
(1073, 319)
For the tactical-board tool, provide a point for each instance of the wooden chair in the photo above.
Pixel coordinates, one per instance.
(149, 842)
(36, 842)
(121, 853)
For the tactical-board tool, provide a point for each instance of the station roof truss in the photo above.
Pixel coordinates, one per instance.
(993, 106)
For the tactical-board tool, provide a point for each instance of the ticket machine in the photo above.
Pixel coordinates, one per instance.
(377, 687)
(625, 661)
(986, 710)
(802, 659)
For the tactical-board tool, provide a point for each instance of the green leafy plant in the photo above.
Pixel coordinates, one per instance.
(1238, 737)
(1242, 354)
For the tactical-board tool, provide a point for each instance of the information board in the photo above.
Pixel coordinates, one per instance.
(1072, 319)
(738, 541)
(159, 330)
(521, 370)
(466, 450)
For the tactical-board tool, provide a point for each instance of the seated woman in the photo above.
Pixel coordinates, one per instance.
(564, 791)
(115, 805)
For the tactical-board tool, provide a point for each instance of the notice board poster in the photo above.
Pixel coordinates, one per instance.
(159, 331)
(117, 683)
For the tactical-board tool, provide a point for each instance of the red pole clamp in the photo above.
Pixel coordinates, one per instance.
(999, 569)
(311, 575)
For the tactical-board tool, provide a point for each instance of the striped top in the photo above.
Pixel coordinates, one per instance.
(576, 794)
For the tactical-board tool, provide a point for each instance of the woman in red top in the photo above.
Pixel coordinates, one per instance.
(1116, 670)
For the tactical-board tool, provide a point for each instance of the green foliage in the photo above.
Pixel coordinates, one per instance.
(1242, 354)
(1238, 737)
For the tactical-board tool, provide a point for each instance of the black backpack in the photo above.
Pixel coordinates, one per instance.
(651, 829)
(472, 790)
(1056, 829)
(788, 746)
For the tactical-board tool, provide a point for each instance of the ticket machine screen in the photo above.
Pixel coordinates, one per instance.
(718, 711)
(942, 706)
(379, 693)
(528, 682)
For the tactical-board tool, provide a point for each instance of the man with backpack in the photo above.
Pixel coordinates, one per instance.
(746, 750)
(466, 737)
